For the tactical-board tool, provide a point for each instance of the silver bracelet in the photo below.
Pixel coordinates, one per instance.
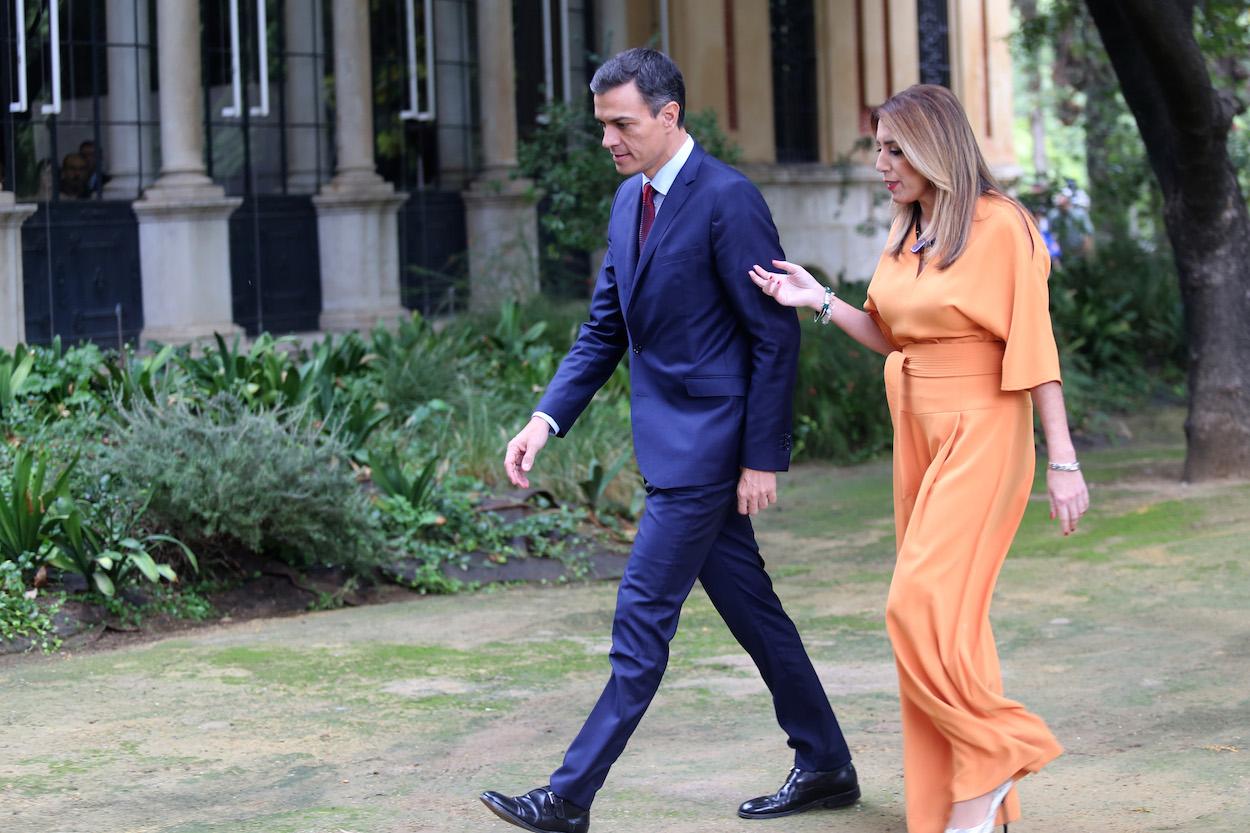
(1075, 465)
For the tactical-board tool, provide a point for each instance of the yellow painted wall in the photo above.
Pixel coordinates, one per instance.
(866, 51)
(753, 82)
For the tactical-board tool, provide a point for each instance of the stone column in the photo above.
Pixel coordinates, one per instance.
(128, 146)
(307, 152)
(12, 302)
(499, 211)
(184, 239)
(357, 222)
(611, 28)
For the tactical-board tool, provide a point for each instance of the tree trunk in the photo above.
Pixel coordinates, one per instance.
(1184, 122)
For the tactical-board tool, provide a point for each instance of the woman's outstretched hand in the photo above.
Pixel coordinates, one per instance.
(793, 286)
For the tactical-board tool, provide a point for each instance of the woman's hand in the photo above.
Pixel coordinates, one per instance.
(1069, 498)
(792, 287)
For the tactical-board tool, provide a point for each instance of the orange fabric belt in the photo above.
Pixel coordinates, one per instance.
(951, 361)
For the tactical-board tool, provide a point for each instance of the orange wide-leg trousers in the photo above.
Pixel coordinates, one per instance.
(963, 469)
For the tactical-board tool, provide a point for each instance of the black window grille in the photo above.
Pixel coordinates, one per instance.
(795, 102)
(541, 49)
(933, 27)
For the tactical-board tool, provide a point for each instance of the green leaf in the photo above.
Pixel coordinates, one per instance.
(146, 565)
(186, 551)
(62, 562)
(104, 584)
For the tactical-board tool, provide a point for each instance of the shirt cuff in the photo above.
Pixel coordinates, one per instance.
(555, 429)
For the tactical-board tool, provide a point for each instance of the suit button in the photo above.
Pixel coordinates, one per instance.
(637, 349)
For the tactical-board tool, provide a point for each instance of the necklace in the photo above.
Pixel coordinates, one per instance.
(918, 246)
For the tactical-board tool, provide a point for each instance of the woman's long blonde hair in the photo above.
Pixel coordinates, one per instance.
(932, 130)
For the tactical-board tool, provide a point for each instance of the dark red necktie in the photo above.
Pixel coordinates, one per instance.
(648, 215)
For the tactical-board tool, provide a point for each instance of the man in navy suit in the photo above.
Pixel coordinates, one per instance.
(712, 366)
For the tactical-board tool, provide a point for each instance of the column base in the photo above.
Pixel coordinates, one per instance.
(202, 333)
(358, 238)
(502, 221)
(12, 297)
(342, 321)
(184, 246)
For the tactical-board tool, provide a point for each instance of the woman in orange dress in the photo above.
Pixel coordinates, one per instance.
(959, 304)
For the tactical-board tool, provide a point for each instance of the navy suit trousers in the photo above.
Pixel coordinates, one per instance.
(685, 534)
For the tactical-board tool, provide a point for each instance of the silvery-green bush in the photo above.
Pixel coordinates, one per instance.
(220, 474)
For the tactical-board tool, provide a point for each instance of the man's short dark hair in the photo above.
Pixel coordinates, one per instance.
(654, 73)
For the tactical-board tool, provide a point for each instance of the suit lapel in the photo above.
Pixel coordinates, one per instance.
(625, 228)
(673, 201)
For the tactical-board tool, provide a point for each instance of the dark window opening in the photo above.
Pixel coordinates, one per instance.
(795, 102)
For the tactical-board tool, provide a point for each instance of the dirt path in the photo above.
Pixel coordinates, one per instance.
(1132, 639)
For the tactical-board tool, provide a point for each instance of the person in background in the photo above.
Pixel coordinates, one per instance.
(87, 150)
(1070, 225)
(74, 176)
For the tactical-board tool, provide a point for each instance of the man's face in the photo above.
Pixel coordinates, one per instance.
(637, 140)
(87, 151)
(74, 174)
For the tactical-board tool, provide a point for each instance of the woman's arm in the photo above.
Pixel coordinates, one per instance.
(1069, 498)
(795, 287)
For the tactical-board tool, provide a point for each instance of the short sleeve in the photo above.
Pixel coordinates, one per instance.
(1031, 357)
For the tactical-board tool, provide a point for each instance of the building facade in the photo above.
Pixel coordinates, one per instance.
(174, 168)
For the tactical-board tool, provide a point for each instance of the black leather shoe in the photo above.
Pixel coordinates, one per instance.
(805, 791)
(539, 811)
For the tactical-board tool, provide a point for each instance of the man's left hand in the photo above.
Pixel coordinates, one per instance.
(756, 490)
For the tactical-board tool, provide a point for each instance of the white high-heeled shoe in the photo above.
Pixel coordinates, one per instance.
(996, 800)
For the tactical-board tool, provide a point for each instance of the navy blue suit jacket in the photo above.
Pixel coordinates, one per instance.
(712, 359)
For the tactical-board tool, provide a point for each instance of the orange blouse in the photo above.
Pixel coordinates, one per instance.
(995, 291)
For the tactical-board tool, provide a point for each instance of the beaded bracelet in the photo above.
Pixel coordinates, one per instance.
(822, 317)
(1075, 465)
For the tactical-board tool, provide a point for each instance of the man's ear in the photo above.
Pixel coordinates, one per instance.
(670, 113)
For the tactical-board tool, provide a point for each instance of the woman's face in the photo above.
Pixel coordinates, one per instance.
(905, 183)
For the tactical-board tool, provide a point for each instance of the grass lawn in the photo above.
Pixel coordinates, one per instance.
(1132, 638)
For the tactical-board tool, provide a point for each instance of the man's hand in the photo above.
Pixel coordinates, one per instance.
(756, 490)
(522, 450)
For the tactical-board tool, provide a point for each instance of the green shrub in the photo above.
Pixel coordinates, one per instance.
(417, 363)
(840, 409)
(1119, 326)
(27, 515)
(450, 526)
(101, 540)
(65, 382)
(266, 480)
(1119, 310)
(21, 615)
(14, 371)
